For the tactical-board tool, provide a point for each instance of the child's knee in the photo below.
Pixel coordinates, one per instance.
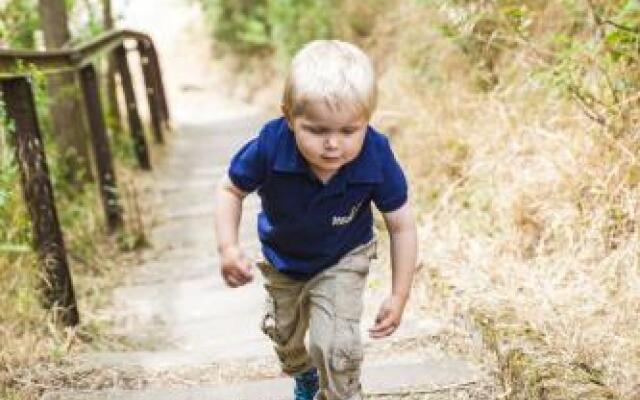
(319, 343)
(344, 358)
(346, 353)
(337, 345)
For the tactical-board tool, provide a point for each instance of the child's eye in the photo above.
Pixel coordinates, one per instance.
(312, 129)
(318, 131)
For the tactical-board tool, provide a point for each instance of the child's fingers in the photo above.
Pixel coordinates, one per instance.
(245, 272)
(382, 334)
(237, 276)
(383, 328)
(382, 314)
(384, 324)
(230, 279)
(382, 331)
(242, 276)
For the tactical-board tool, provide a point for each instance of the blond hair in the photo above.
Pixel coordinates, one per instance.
(333, 72)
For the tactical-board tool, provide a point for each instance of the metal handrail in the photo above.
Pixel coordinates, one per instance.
(52, 61)
(17, 95)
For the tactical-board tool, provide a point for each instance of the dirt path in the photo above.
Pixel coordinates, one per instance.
(200, 339)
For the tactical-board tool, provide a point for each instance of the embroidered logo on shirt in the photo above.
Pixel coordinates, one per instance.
(343, 220)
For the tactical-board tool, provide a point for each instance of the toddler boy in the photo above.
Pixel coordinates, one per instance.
(317, 170)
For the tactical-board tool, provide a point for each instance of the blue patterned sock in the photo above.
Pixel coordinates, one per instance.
(306, 385)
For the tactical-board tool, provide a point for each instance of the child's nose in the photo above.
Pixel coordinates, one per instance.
(331, 141)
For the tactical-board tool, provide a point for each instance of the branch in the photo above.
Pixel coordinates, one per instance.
(622, 27)
(612, 88)
(599, 21)
(588, 111)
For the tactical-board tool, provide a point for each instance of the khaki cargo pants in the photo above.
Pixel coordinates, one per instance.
(329, 306)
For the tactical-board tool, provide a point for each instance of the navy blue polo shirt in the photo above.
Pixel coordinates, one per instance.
(306, 226)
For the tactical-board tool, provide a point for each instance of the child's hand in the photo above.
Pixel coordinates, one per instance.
(388, 318)
(235, 269)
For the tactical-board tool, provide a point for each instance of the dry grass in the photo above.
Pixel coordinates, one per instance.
(33, 350)
(529, 217)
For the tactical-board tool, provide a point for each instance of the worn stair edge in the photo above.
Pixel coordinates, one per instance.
(394, 378)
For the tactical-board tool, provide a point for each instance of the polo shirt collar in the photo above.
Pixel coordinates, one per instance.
(288, 158)
(366, 168)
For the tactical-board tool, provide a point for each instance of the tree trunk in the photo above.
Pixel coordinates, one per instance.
(114, 120)
(64, 105)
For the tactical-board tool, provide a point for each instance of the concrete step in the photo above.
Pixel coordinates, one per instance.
(399, 377)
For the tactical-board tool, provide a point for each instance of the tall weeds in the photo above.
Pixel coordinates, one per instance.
(27, 335)
(529, 201)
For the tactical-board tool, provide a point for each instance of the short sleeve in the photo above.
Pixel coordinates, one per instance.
(391, 193)
(248, 168)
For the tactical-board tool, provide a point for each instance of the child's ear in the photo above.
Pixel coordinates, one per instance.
(286, 112)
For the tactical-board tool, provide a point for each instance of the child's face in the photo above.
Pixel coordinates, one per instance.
(329, 139)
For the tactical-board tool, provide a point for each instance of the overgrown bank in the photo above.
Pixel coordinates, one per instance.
(518, 122)
(32, 349)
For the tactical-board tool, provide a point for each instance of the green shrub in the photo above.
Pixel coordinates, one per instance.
(265, 26)
(242, 25)
(588, 50)
(295, 22)
(18, 20)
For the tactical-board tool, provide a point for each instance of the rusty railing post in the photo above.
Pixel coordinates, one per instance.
(151, 87)
(135, 126)
(101, 150)
(153, 60)
(57, 286)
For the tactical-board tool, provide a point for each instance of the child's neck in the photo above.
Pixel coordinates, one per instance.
(324, 176)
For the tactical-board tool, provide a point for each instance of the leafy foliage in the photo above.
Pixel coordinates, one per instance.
(588, 49)
(18, 20)
(283, 26)
(242, 25)
(77, 206)
(297, 22)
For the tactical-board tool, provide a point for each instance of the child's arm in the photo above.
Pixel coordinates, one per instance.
(402, 232)
(235, 269)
